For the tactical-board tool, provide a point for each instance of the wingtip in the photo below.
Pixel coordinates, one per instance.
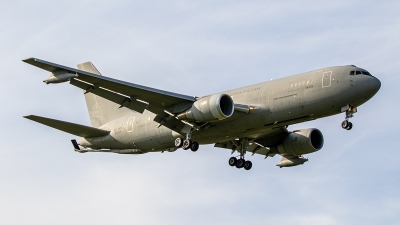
(29, 59)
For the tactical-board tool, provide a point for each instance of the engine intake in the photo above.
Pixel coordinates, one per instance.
(213, 107)
(301, 142)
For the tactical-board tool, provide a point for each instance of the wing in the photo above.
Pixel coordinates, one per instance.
(136, 97)
(260, 144)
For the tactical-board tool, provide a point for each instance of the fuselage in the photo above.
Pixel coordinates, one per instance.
(274, 103)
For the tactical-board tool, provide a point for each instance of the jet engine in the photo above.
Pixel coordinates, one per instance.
(210, 108)
(301, 142)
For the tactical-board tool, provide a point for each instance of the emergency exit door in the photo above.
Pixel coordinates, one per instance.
(326, 79)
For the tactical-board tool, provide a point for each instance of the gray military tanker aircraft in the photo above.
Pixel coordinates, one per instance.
(129, 118)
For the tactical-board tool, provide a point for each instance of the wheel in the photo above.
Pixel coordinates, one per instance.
(194, 146)
(248, 165)
(349, 126)
(186, 144)
(345, 124)
(240, 163)
(232, 161)
(178, 142)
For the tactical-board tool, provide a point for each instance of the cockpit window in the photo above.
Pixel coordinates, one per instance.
(358, 72)
(366, 73)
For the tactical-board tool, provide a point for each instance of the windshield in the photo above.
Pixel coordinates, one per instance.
(359, 72)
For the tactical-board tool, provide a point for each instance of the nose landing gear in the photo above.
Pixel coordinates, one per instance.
(347, 125)
(349, 111)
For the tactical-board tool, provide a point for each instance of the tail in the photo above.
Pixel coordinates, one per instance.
(101, 110)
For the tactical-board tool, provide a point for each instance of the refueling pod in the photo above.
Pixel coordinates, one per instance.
(59, 76)
(288, 161)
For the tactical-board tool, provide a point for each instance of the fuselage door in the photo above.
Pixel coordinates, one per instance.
(326, 79)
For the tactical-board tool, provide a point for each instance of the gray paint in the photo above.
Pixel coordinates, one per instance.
(100, 110)
(273, 105)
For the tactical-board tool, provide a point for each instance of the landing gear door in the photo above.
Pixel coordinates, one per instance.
(326, 79)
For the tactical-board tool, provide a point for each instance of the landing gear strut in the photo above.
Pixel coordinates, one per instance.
(241, 162)
(349, 111)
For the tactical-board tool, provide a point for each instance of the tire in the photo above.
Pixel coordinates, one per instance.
(194, 146)
(345, 124)
(349, 126)
(232, 161)
(240, 163)
(178, 142)
(186, 144)
(248, 165)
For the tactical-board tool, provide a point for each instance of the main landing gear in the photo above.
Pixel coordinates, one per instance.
(349, 111)
(241, 162)
(186, 144)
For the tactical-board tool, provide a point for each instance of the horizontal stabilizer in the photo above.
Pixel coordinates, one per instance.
(72, 128)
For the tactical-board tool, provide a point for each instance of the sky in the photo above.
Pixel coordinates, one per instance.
(196, 48)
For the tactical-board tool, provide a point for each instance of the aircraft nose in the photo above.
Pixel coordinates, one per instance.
(374, 84)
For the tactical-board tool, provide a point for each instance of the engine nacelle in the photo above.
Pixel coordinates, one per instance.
(210, 108)
(301, 142)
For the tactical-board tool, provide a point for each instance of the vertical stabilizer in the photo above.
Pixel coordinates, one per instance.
(101, 110)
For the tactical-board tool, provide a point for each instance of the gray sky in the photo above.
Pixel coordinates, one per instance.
(196, 49)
